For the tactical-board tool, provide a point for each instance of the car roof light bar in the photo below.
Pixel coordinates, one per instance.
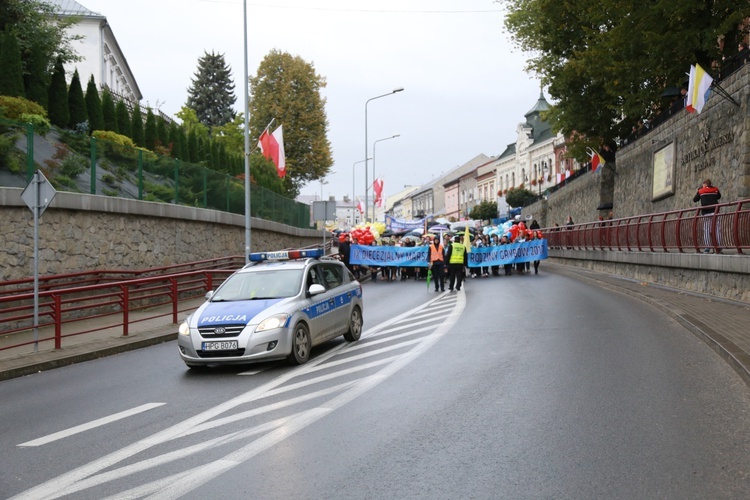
(286, 255)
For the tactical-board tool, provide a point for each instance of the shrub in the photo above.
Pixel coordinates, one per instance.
(40, 123)
(14, 107)
(8, 157)
(109, 179)
(113, 137)
(69, 164)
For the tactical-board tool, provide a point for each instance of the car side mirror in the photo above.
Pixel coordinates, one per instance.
(316, 289)
(209, 294)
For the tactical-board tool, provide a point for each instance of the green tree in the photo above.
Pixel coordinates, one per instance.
(42, 37)
(211, 93)
(76, 102)
(94, 106)
(136, 126)
(172, 140)
(606, 62)
(288, 89)
(58, 96)
(486, 210)
(122, 117)
(162, 133)
(149, 133)
(108, 111)
(37, 78)
(192, 141)
(11, 76)
(517, 197)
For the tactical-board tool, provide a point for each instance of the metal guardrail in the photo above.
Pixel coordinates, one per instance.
(726, 228)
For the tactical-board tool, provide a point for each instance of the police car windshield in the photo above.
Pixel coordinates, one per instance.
(260, 284)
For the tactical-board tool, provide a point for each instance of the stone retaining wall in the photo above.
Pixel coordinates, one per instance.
(86, 232)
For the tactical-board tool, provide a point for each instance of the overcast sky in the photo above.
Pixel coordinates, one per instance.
(465, 88)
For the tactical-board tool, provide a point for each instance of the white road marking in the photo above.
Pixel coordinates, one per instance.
(252, 372)
(91, 425)
(179, 484)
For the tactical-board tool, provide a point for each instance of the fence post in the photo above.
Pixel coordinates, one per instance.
(29, 152)
(125, 309)
(226, 184)
(140, 174)
(57, 300)
(174, 300)
(93, 165)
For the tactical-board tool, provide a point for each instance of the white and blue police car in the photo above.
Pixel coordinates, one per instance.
(280, 305)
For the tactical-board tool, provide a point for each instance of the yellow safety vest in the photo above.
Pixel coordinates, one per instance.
(457, 253)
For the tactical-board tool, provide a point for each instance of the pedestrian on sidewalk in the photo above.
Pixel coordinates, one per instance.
(708, 195)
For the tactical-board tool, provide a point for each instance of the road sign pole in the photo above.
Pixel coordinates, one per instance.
(37, 197)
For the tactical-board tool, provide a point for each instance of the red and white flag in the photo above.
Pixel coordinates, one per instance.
(272, 147)
(359, 206)
(377, 187)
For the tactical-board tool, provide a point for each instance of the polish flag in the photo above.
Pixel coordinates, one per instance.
(359, 206)
(272, 147)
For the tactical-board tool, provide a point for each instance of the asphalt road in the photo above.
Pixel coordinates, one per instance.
(520, 387)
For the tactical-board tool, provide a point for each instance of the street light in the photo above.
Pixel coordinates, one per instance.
(373, 168)
(353, 208)
(399, 89)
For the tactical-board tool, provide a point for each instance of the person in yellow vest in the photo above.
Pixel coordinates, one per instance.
(437, 263)
(457, 259)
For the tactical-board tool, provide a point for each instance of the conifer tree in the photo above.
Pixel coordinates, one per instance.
(162, 133)
(123, 119)
(192, 141)
(76, 102)
(172, 141)
(149, 133)
(11, 76)
(182, 140)
(108, 111)
(36, 80)
(136, 126)
(57, 97)
(211, 94)
(94, 106)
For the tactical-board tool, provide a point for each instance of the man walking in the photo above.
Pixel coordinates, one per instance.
(437, 263)
(457, 259)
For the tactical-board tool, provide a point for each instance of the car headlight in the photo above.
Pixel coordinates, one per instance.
(184, 328)
(273, 322)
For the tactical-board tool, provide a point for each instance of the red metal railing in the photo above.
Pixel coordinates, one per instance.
(69, 303)
(726, 228)
(112, 304)
(85, 278)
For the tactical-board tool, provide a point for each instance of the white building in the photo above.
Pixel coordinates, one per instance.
(100, 54)
(530, 162)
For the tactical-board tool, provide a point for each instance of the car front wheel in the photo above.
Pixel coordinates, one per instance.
(355, 325)
(301, 345)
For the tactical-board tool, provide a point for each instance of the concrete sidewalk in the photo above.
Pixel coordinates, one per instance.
(722, 324)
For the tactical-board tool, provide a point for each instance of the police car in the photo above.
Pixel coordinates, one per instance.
(280, 305)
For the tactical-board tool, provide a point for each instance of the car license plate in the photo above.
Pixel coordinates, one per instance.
(220, 346)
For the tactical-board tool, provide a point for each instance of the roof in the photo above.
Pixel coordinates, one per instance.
(72, 8)
(540, 128)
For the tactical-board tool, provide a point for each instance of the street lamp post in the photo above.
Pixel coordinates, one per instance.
(399, 89)
(373, 168)
(353, 196)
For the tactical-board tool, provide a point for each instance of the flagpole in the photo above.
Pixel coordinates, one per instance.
(247, 142)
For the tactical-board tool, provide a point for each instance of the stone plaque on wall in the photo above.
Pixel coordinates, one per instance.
(663, 172)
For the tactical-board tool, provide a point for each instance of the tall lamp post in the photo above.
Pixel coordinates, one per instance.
(373, 168)
(353, 196)
(399, 89)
